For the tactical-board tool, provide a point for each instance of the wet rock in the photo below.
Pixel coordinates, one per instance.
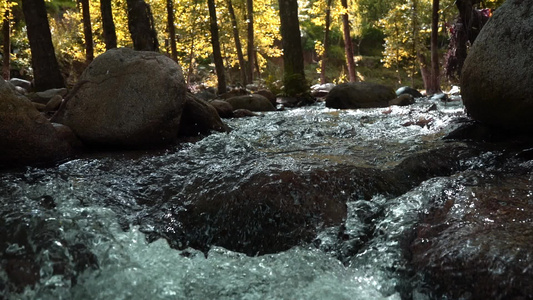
(39, 106)
(224, 109)
(402, 100)
(252, 102)
(476, 239)
(243, 113)
(287, 101)
(54, 103)
(496, 79)
(272, 211)
(267, 94)
(49, 94)
(359, 95)
(440, 97)
(409, 91)
(27, 137)
(126, 98)
(24, 84)
(205, 95)
(321, 90)
(200, 118)
(33, 249)
(45, 96)
(66, 134)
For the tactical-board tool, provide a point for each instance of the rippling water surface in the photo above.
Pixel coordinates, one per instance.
(82, 223)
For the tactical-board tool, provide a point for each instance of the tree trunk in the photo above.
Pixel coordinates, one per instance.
(250, 49)
(465, 30)
(434, 84)
(141, 26)
(324, 61)
(238, 46)
(108, 25)
(87, 31)
(293, 62)
(348, 45)
(6, 33)
(424, 70)
(46, 72)
(215, 42)
(172, 30)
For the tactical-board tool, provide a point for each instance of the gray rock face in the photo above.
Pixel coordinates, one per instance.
(126, 98)
(27, 136)
(253, 102)
(359, 95)
(496, 83)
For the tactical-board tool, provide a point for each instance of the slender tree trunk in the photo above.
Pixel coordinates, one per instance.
(6, 33)
(424, 70)
(256, 63)
(172, 30)
(87, 31)
(215, 42)
(46, 72)
(293, 62)
(238, 46)
(108, 25)
(325, 55)
(434, 84)
(141, 26)
(191, 63)
(348, 45)
(251, 48)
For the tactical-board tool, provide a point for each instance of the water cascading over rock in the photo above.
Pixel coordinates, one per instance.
(496, 83)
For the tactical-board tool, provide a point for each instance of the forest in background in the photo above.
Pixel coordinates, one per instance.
(390, 38)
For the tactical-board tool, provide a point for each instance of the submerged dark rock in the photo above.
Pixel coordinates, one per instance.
(274, 211)
(476, 239)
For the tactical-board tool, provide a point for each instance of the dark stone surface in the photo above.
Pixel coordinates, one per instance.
(496, 79)
(359, 95)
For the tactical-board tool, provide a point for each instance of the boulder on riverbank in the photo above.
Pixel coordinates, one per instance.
(359, 95)
(253, 102)
(200, 118)
(27, 136)
(126, 98)
(496, 83)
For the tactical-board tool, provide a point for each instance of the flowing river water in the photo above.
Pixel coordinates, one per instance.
(112, 225)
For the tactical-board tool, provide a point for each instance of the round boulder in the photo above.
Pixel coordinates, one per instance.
(497, 75)
(224, 109)
(410, 91)
(126, 98)
(27, 136)
(253, 102)
(359, 95)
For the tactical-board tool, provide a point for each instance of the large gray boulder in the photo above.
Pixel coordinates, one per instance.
(359, 95)
(496, 83)
(126, 98)
(27, 136)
